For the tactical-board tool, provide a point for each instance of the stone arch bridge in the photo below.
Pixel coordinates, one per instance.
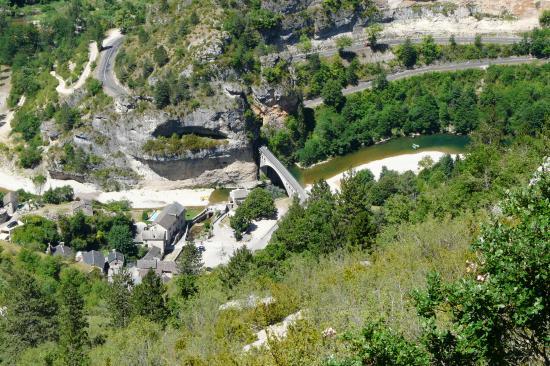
(293, 188)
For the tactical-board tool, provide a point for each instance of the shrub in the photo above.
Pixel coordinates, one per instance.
(58, 195)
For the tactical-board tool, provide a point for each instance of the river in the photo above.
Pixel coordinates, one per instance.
(445, 143)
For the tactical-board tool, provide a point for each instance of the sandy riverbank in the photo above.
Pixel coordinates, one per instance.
(146, 197)
(400, 163)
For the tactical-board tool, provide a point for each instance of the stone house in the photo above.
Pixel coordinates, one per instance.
(93, 258)
(11, 202)
(115, 262)
(60, 250)
(165, 227)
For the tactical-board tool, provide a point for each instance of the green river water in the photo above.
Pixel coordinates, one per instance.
(451, 144)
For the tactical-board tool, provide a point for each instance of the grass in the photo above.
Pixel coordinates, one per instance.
(175, 145)
(192, 211)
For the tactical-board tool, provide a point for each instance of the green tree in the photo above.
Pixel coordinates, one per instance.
(73, 333)
(148, 299)
(372, 35)
(343, 42)
(240, 263)
(36, 233)
(498, 313)
(429, 50)
(39, 181)
(332, 94)
(119, 299)
(162, 94)
(32, 313)
(544, 18)
(120, 238)
(354, 222)
(407, 54)
(258, 205)
(452, 41)
(379, 345)
(190, 260)
(58, 195)
(160, 56)
(478, 42)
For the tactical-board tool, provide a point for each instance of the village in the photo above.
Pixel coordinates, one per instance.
(160, 234)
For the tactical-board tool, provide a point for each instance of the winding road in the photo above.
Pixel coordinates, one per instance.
(454, 66)
(105, 70)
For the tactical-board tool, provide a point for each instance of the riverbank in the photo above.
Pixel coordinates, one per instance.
(443, 143)
(401, 164)
(150, 196)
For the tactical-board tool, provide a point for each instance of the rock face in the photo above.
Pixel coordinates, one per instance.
(273, 103)
(222, 118)
(301, 14)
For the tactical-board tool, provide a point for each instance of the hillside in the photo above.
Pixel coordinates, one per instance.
(128, 124)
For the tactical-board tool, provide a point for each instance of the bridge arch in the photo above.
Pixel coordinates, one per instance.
(268, 162)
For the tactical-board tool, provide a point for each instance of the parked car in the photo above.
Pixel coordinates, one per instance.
(11, 224)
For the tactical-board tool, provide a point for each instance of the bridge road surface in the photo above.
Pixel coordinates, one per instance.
(455, 66)
(284, 174)
(105, 72)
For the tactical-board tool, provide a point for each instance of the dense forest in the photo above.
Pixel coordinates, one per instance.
(514, 100)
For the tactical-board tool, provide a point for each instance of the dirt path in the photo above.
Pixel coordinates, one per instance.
(62, 88)
(5, 114)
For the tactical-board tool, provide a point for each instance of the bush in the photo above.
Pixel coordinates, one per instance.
(58, 195)
(258, 205)
(36, 233)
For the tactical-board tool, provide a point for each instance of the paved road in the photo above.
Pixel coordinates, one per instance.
(359, 45)
(455, 66)
(105, 72)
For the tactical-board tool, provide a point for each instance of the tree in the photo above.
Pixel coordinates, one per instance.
(162, 94)
(379, 345)
(381, 81)
(190, 260)
(429, 50)
(31, 314)
(148, 299)
(372, 35)
(239, 265)
(120, 238)
(305, 43)
(452, 41)
(58, 195)
(343, 42)
(160, 56)
(498, 313)
(407, 54)
(544, 19)
(73, 334)
(332, 94)
(478, 42)
(36, 233)
(119, 299)
(354, 222)
(258, 205)
(39, 181)
(67, 117)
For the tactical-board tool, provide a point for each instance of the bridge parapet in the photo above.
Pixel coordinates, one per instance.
(293, 188)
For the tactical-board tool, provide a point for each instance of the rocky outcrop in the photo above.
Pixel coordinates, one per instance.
(273, 103)
(222, 117)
